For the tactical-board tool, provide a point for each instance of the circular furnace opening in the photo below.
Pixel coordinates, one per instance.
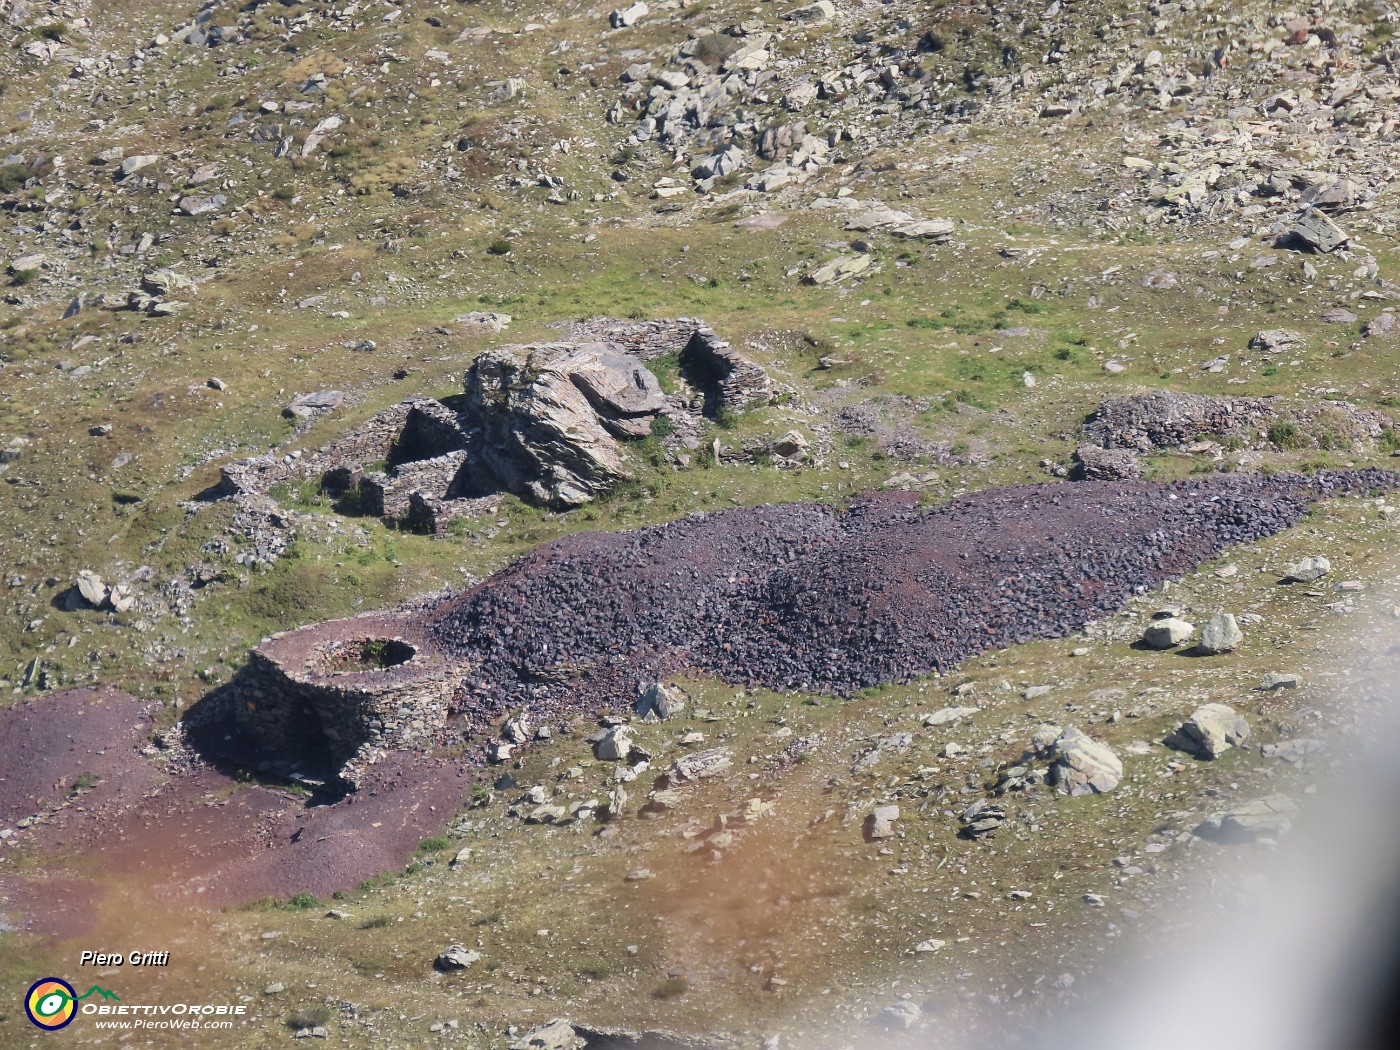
(368, 654)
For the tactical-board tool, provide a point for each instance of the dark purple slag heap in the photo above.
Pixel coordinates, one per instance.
(808, 597)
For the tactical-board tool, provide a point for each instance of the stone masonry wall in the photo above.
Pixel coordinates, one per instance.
(295, 679)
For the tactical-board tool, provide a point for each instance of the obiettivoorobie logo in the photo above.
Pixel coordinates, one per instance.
(51, 1002)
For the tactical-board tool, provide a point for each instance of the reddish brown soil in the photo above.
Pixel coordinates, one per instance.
(148, 837)
(45, 746)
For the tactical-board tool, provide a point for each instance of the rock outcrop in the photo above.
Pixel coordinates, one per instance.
(547, 418)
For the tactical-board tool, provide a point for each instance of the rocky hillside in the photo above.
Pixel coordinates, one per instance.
(311, 309)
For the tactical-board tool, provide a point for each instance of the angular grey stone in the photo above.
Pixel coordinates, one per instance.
(880, 823)
(1275, 340)
(724, 162)
(628, 16)
(202, 205)
(309, 406)
(456, 957)
(166, 281)
(877, 218)
(1267, 817)
(1211, 730)
(1221, 635)
(839, 269)
(1083, 766)
(791, 446)
(91, 587)
(816, 14)
(558, 1034)
(702, 764)
(1042, 743)
(939, 230)
(1309, 569)
(615, 745)
(1294, 751)
(659, 702)
(1316, 231)
(131, 165)
(484, 321)
(899, 1016)
(548, 417)
(947, 715)
(1384, 323)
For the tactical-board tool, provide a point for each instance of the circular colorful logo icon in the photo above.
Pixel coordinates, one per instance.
(51, 1003)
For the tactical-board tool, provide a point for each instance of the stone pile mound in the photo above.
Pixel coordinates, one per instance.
(811, 597)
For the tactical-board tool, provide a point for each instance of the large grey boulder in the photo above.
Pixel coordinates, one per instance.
(1221, 635)
(456, 957)
(558, 1034)
(724, 162)
(880, 823)
(624, 394)
(91, 587)
(947, 715)
(701, 765)
(547, 417)
(820, 13)
(1384, 323)
(165, 282)
(899, 1016)
(838, 269)
(1211, 730)
(1083, 766)
(317, 403)
(624, 17)
(131, 165)
(615, 745)
(1276, 340)
(1167, 633)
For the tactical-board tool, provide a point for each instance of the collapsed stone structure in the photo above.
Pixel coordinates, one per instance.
(548, 422)
(1173, 419)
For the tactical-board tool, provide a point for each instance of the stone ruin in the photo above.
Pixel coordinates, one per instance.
(340, 691)
(548, 422)
(1175, 419)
